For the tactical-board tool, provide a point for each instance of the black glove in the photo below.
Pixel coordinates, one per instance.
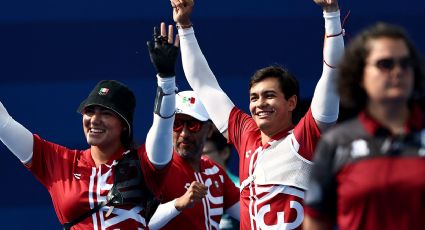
(163, 55)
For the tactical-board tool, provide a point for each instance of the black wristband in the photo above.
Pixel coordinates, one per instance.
(158, 101)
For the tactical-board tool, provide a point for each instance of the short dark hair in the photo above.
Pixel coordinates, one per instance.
(288, 84)
(353, 96)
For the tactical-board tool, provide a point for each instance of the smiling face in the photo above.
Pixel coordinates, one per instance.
(384, 82)
(189, 144)
(102, 127)
(270, 110)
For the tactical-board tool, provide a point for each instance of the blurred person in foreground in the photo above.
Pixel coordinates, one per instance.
(369, 171)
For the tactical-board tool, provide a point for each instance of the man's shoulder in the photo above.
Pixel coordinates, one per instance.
(239, 116)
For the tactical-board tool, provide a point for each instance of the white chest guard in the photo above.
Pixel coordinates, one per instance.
(281, 164)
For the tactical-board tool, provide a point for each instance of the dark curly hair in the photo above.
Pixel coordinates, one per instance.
(353, 96)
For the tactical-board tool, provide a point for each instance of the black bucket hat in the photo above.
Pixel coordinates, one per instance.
(115, 96)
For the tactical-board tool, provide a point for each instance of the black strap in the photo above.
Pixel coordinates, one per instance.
(158, 102)
(119, 194)
(68, 225)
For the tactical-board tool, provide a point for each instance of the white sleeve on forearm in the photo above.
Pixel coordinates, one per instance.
(159, 140)
(163, 214)
(234, 211)
(203, 81)
(15, 136)
(325, 102)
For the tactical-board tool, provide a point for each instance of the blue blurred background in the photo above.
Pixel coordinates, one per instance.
(52, 52)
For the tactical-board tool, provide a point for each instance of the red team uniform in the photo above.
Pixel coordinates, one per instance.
(273, 176)
(77, 186)
(366, 177)
(222, 193)
(273, 198)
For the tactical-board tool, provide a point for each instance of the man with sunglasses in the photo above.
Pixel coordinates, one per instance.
(191, 126)
(275, 154)
(191, 129)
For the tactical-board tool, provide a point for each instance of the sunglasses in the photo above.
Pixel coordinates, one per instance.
(193, 126)
(388, 64)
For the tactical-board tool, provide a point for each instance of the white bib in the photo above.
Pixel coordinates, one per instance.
(281, 164)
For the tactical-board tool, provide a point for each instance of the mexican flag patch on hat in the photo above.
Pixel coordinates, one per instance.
(103, 91)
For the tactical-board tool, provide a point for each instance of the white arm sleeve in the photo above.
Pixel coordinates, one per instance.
(234, 211)
(15, 136)
(159, 140)
(325, 102)
(163, 214)
(203, 81)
